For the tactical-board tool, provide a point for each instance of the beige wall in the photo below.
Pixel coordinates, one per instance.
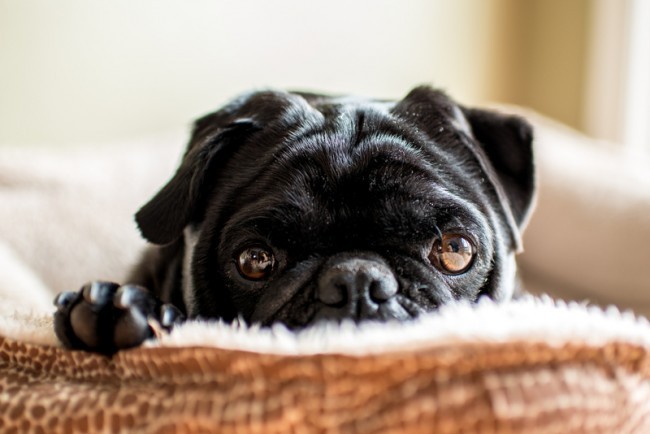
(78, 71)
(553, 63)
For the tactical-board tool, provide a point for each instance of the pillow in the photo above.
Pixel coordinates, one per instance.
(67, 213)
(590, 232)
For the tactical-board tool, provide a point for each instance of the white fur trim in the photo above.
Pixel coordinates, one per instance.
(530, 319)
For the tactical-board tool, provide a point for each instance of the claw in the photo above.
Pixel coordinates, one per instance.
(170, 315)
(127, 295)
(98, 292)
(63, 299)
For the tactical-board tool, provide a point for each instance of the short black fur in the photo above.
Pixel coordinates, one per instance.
(350, 196)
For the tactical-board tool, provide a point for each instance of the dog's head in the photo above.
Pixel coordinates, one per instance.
(298, 207)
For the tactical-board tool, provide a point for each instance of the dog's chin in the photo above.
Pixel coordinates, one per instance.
(296, 316)
(391, 310)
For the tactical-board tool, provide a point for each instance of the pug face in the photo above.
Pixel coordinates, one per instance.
(296, 208)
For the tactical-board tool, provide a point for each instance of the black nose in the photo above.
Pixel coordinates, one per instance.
(356, 280)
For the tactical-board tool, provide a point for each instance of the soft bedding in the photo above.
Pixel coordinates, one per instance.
(531, 366)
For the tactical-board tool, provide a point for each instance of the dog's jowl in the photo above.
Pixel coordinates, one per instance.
(298, 208)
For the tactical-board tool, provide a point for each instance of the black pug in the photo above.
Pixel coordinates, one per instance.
(296, 208)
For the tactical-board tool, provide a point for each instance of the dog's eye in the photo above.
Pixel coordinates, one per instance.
(452, 253)
(255, 262)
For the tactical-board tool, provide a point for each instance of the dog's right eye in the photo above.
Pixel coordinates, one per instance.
(452, 253)
(255, 262)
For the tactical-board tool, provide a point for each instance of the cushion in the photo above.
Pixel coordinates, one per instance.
(589, 235)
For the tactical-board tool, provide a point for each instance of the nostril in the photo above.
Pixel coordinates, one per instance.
(381, 291)
(333, 294)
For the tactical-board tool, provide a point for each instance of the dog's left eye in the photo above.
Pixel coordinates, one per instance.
(452, 253)
(255, 262)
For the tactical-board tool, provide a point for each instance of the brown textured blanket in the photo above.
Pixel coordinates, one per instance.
(530, 366)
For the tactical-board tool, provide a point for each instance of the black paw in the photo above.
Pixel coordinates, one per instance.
(105, 317)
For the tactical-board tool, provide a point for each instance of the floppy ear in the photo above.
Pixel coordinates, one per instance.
(502, 145)
(178, 203)
(507, 142)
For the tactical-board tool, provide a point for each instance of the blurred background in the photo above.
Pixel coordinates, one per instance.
(81, 72)
(76, 70)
